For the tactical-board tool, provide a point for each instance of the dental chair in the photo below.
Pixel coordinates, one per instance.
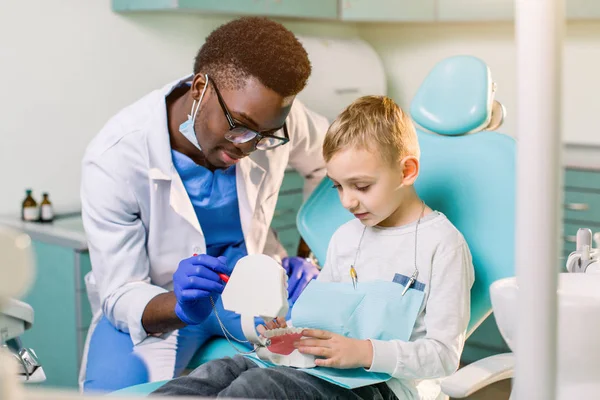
(467, 174)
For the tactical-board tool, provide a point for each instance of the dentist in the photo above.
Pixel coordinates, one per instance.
(192, 168)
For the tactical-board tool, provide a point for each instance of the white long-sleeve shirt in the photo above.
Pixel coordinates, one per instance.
(445, 267)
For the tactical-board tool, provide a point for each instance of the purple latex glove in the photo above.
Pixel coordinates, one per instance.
(194, 282)
(300, 272)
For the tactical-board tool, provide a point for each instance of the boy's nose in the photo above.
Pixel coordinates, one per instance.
(348, 201)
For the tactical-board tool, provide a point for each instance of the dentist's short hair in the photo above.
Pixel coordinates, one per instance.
(374, 123)
(254, 47)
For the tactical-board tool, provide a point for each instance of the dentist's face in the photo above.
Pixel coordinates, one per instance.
(369, 187)
(254, 106)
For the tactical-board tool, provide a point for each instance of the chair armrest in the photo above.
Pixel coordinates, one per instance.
(479, 374)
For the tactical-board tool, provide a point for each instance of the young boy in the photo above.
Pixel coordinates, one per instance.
(372, 156)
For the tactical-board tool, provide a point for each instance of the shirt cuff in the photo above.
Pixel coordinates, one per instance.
(136, 301)
(385, 356)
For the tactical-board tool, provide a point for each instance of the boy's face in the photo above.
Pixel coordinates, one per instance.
(369, 186)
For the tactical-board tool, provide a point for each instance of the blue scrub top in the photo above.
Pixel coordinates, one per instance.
(214, 197)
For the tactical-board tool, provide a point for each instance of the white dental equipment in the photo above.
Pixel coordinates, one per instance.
(258, 287)
(577, 299)
(15, 316)
(585, 258)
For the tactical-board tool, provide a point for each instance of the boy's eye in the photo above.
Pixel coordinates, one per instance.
(363, 188)
(335, 186)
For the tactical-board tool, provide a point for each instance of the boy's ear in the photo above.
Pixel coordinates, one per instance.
(410, 170)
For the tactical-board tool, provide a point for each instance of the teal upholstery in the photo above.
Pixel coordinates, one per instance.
(455, 98)
(142, 390)
(469, 178)
(319, 217)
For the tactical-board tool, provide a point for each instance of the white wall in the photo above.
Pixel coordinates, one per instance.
(410, 50)
(67, 65)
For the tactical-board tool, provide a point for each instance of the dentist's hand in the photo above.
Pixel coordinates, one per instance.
(300, 272)
(194, 282)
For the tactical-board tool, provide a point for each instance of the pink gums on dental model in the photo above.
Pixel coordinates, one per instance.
(284, 344)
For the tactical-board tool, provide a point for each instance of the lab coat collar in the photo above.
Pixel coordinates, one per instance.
(159, 146)
(250, 176)
(160, 161)
(250, 171)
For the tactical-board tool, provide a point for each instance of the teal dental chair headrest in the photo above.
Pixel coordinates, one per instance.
(457, 97)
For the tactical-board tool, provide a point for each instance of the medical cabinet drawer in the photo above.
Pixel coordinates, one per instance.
(582, 206)
(292, 183)
(586, 179)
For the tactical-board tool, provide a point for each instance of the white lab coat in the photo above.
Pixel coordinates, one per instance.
(139, 220)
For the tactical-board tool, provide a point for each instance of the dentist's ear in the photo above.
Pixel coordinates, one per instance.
(410, 170)
(199, 85)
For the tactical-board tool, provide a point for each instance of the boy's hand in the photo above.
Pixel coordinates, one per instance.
(278, 322)
(337, 351)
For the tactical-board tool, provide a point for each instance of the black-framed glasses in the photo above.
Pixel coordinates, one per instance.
(239, 133)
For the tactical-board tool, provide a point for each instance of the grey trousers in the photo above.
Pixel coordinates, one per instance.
(239, 377)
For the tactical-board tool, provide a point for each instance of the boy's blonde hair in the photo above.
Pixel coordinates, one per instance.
(373, 123)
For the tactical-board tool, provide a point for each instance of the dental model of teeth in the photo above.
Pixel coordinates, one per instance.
(280, 348)
(258, 287)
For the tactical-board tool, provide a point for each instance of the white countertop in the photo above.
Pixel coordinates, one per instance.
(65, 231)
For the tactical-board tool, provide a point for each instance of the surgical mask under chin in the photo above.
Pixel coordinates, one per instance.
(187, 128)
